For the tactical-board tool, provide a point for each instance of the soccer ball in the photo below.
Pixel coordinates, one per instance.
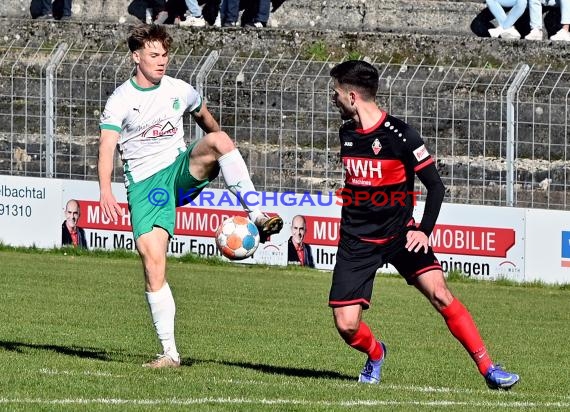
(237, 238)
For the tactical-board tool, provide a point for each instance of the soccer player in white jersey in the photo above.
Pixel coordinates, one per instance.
(143, 119)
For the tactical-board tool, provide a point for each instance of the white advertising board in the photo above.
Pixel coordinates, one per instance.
(547, 246)
(30, 211)
(483, 242)
(194, 228)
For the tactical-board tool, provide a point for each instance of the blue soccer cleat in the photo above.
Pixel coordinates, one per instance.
(497, 378)
(372, 371)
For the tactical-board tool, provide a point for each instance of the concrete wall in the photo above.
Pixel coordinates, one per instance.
(351, 15)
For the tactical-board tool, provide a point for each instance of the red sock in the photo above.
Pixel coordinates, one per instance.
(461, 325)
(364, 341)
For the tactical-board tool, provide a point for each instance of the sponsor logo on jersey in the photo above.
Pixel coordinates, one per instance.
(158, 130)
(348, 144)
(376, 146)
(421, 153)
(176, 104)
(363, 172)
(373, 172)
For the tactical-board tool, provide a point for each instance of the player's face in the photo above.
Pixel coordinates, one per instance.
(343, 99)
(72, 214)
(298, 230)
(152, 60)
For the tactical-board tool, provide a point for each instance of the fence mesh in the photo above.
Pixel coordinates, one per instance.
(279, 112)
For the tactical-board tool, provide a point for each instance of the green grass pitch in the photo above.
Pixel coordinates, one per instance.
(75, 329)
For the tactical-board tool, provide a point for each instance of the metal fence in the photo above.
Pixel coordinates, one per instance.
(499, 135)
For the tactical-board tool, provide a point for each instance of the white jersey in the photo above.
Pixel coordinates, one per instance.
(149, 121)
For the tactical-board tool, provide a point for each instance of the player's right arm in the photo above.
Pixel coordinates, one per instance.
(107, 202)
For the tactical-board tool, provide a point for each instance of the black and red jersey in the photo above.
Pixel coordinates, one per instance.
(380, 164)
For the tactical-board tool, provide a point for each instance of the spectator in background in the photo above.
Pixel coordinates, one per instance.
(505, 22)
(535, 11)
(46, 10)
(149, 11)
(257, 14)
(193, 17)
(229, 13)
(298, 251)
(71, 234)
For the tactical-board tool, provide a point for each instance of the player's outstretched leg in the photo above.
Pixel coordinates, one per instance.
(372, 371)
(463, 328)
(217, 149)
(238, 181)
(497, 378)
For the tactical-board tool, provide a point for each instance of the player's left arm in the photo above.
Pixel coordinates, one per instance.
(198, 109)
(418, 239)
(435, 192)
(205, 119)
(424, 167)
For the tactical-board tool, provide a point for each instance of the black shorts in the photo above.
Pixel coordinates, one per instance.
(358, 261)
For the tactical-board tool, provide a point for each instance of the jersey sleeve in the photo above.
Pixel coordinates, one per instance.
(415, 151)
(114, 114)
(193, 99)
(417, 156)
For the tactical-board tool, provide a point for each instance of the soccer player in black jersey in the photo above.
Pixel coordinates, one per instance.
(381, 156)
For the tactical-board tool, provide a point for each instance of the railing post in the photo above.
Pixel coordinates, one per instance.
(200, 81)
(511, 96)
(50, 108)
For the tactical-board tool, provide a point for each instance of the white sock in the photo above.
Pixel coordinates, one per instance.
(237, 179)
(163, 310)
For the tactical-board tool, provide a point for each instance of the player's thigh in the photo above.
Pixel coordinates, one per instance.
(187, 185)
(354, 273)
(204, 154)
(152, 202)
(411, 265)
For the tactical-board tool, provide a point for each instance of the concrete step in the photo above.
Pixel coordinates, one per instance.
(393, 45)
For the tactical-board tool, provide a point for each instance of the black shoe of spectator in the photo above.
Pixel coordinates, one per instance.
(66, 18)
(45, 17)
(229, 24)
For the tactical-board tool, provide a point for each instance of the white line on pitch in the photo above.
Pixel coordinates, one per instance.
(407, 388)
(299, 402)
(47, 371)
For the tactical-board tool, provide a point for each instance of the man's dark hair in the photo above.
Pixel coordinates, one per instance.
(142, 34)
(359, 74)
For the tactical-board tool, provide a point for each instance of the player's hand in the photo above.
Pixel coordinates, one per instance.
(110, 207)
(417, 240)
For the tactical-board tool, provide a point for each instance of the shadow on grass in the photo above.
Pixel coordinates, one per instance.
(276, 370)
(99, 354)
(90, 353)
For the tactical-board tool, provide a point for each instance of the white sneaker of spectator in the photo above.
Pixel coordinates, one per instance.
(192, 21)
(510, 33)
(561, 35)
(535, 34)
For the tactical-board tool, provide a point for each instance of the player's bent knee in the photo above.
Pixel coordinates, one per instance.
(346, 326)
